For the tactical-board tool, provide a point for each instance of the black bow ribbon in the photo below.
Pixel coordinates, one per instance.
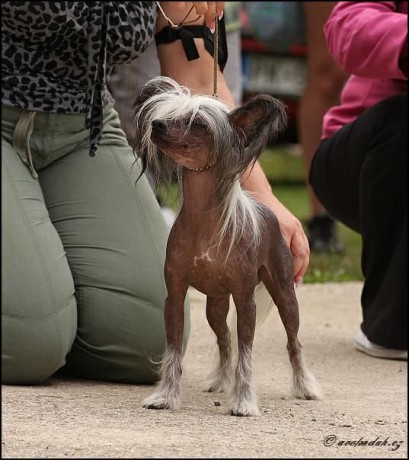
(169, 35)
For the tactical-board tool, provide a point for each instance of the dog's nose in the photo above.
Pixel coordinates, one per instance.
(158, 125)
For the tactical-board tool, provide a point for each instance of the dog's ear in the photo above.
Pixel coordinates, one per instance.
(261, 119)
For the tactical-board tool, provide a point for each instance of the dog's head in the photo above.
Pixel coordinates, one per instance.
(176, 128)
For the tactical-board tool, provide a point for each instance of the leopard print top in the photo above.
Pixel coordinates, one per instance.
(56, 56)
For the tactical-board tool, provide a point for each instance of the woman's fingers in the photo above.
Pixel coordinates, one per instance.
(301, 255)
(210, 10)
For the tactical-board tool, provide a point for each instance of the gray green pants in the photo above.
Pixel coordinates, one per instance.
(83, 250)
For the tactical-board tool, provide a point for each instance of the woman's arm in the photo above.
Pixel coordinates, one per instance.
(368, 39)
(291, 228)
(198, 76)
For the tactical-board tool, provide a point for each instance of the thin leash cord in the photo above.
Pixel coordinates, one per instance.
(216, 41)
(215, 56)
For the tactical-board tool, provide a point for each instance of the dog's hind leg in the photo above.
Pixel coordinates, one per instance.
(282, 291)
(167, 392)
(244, 401)
(221, 378)
(305, 386)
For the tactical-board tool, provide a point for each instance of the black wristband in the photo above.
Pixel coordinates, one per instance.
(187, 34)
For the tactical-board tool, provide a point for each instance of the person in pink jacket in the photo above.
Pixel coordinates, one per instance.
(359, 171)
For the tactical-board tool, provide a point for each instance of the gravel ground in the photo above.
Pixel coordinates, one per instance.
(365, 400)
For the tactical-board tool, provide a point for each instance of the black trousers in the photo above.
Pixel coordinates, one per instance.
(360, 176)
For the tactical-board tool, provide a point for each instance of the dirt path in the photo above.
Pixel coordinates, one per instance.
(365, 404)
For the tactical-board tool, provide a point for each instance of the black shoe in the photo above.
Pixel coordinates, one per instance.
(323, 236)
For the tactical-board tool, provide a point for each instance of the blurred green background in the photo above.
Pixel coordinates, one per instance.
(285, 173)
(284, 170)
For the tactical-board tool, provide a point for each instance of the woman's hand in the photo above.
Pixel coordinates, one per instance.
(294, 235)
(291, 228)
(210, 10)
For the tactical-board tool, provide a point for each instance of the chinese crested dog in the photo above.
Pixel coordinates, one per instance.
(223, 243)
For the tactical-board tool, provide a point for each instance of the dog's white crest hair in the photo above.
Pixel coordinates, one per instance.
(240, 218)
(164, 99)
(169, 101)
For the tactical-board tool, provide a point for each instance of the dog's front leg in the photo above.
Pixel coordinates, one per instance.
(217, 309)
(244, 397)
(167, 392)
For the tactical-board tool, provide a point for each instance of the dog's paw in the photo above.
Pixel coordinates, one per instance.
(215, 387)
(245, 405)
(307, 388)
(244, 409)
(159, 402)
(222, 385)
(219, 380)
(155, 406)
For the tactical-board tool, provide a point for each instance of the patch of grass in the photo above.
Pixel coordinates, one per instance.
(285, 173)
(169, 197)
(324, 267)
(282, 167)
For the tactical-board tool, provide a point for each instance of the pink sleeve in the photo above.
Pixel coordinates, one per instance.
(368, 39)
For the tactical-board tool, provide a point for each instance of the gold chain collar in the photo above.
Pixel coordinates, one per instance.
(204, 168)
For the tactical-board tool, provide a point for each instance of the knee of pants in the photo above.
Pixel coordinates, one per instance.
(34, 348)
(119, 337)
